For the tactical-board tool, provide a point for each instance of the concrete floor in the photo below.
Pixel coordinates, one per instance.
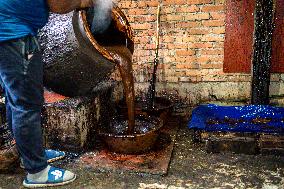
(191, 167)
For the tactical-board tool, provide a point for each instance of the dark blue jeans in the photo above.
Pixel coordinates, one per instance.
(21, 73)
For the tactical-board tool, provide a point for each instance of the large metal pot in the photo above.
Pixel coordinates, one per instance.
(136, 143)
(75, 61)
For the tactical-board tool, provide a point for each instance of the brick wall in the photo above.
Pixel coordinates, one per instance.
(191, 50)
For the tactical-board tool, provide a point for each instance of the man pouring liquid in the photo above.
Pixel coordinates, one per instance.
(21, 77)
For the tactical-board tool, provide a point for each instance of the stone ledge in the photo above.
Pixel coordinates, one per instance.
(70, 124)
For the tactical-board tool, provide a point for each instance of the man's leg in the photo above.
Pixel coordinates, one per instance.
(21, 70)
(51, 155)
(22, 78)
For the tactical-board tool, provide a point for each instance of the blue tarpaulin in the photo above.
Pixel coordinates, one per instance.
(251, 118)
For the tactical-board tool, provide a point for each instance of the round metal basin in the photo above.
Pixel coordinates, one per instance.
(137, 143)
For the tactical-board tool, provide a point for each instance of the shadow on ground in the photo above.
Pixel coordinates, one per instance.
(190, 167)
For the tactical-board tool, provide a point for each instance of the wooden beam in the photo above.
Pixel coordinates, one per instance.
(262, 48)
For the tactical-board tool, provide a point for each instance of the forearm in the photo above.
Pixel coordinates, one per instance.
(65, 6)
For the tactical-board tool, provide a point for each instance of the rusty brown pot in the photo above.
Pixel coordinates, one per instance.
(134, 143)
(75, 61)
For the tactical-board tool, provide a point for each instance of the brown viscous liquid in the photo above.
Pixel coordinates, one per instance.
(119, 126)
(123, 59)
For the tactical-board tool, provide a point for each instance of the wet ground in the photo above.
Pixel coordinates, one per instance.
(191, 167)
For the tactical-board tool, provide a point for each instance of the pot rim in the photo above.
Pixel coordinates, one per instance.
(116, 12)
(156, 129)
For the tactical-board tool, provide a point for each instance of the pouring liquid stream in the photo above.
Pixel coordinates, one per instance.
(123, 59)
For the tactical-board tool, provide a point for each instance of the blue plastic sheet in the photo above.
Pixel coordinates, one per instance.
(251, 118)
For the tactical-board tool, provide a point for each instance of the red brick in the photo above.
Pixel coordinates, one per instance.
(212, 66)
(141, 4)
(172, 17)
(209, 23)
(137, 11)
(194, 72)
(208, 59)
(198, 31)
(219, 2)
(174, 2)
(199, 1)
(137, 19)
(143, 39)
(147, 32)
(177, 46)
(212, 38)
(153, 10)
(169, 59)
(149, 46)
(185, 52)
(167, 25)
(191, 38)
(125, 4)
(187, 66)
(131, 19)
(145, 26)
(168, 10)
(169, 72)
(164, 66)
(197, 16)
(217, 16)
(167, 39)
(200, 45)
(212, 51)
(143, 18)
(187, 9)
(184, 59)
(219, 45)
(187, 24)
(218, 30)
(145, 4)
(152, 3)
(212, 8)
